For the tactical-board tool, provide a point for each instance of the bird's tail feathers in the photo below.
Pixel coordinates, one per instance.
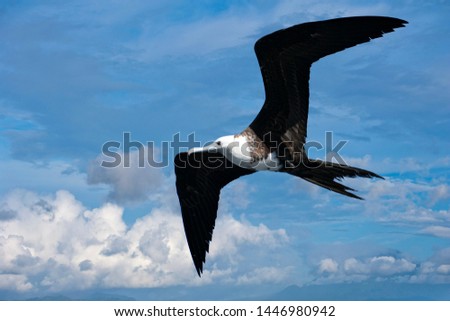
(325, 174)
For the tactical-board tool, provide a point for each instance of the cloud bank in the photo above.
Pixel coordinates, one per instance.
(54, 243)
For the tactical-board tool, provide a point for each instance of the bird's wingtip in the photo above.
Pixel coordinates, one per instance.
(199, 268)
(402, 23)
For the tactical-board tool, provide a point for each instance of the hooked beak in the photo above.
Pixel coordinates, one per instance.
(208, 148)
(196, 150)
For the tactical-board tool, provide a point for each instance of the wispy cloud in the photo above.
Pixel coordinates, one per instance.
(398, 200)
(436, 230)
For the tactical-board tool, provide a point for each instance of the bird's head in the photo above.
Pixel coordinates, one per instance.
(217, 146)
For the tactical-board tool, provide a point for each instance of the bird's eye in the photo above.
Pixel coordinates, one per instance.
(219, 143)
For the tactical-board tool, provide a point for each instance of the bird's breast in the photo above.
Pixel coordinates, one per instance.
(252, 155)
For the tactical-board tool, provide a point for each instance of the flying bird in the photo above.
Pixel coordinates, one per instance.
(275, 140)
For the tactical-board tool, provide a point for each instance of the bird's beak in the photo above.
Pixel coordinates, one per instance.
(208, 148)
(197, 150)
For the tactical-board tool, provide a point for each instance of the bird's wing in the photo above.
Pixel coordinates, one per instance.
(199, 179)
(285, 58)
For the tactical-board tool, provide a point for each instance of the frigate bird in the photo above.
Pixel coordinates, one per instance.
(275, 140)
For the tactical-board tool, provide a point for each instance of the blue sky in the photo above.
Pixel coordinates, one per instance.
(78, 74)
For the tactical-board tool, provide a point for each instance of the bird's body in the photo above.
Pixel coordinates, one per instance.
(275, 140)
(245, 151)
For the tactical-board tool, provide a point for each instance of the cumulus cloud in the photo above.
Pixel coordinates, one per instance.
(432, 272)
(131, 180)
(443, 268)
(241, 247)
(378, 266)
(328, 266)
(231, 233)
(14, 282)
(352, 269)
(53, 242)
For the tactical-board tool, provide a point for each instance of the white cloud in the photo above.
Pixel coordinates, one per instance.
(443, 269)
(53, 243)
(378, 266)
(240, 250)
(230, 234)
(132, 181)
(438, 231)
(361, 162)
(354, 266)
(432, 271)
(359, 269)
(388, 265)
(441, 192)
(328, 266)
(14, 282)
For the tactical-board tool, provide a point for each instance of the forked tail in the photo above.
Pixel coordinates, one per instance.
(325, 175)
